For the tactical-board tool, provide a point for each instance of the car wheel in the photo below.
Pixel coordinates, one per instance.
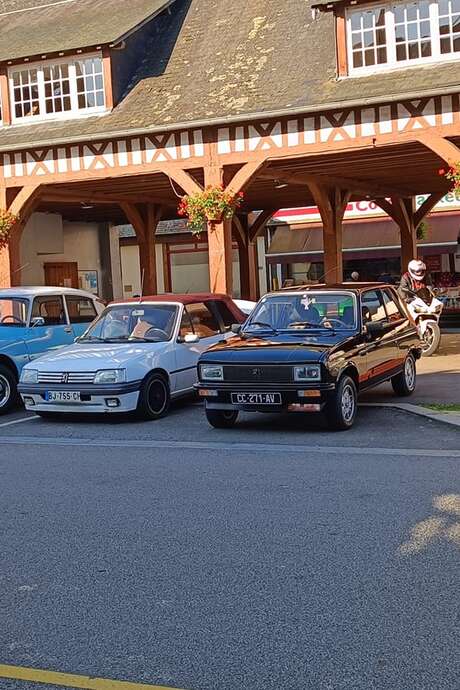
(8, 390)
(343, 405)
(222, 419)
(154, 397)
(404, 383)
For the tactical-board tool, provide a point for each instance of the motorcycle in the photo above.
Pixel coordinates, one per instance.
(425, 311)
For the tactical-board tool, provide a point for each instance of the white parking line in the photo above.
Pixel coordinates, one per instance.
(20, 421)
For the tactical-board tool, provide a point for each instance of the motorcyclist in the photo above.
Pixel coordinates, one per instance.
(413, 280)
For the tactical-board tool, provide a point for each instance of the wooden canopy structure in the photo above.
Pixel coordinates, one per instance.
(332, 146)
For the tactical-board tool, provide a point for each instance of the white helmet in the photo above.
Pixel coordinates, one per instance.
(417, 269)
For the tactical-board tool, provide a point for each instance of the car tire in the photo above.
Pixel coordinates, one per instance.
(222, 419)
(404, 383)
(9, 396)
(154, 398)
(342, 407)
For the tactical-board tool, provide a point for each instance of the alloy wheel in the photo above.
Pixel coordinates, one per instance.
(409, 373)
(157, 396)
(5, 391)
(348, 403)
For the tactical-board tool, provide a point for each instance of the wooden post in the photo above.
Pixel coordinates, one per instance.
(22, 205)
(332, 204)
(144, 221)
(219, 243)
(403, 212)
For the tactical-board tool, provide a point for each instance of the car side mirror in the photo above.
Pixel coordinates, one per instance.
(191, 338)
(236, 328)
(375, 328)
(37, 321)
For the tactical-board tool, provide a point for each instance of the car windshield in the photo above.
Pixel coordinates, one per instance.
(304, 311)
(134, 322)
(13, 311)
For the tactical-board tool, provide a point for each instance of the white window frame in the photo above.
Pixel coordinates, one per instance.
(75, 111)
(391, 63)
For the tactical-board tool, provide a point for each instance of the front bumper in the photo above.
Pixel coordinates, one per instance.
(94, 398)
(295, 397)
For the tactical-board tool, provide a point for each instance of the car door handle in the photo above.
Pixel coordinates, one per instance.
(68, 329)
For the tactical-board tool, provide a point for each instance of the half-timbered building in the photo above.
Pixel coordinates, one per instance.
(111, 110)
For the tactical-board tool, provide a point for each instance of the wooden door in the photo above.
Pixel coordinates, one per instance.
(63, 274)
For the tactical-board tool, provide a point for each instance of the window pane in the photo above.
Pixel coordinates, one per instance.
(380, 17)
(357, 59)
(381, 55)
(203, 320)
(355, 21)
(373, 308)
(366, 37)
(393, 311)
(51, 309)
(80, 310)
(413, 51)
(401, 52)
(369, 58)
(100, 98)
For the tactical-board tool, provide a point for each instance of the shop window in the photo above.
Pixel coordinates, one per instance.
(80, 310)
(402, 33)
(203, 320)
(57, 89)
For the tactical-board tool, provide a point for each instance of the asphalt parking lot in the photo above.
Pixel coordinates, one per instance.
(275, 555)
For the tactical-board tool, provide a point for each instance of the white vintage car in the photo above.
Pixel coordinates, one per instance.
(136, 356)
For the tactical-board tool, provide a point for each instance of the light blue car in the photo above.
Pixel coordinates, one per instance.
(33, 321)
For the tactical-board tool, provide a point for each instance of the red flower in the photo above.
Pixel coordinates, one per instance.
(441, 171)
(241, 195)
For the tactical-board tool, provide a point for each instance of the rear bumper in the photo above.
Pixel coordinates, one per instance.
(94, 399)
(294, 397)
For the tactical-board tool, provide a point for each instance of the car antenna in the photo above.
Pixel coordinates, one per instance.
(142, 286)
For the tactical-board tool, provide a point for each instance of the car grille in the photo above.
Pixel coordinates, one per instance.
(66, 377)
(237, 373)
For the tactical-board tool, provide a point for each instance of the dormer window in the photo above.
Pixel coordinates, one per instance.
(55, 89)
(401, 34)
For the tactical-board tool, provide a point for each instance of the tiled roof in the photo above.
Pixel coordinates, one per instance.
(34, 27)
(211, 60)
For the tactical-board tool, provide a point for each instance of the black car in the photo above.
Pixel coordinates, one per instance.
(311, 349)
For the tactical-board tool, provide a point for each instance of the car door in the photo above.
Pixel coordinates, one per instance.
(199, 319)
(380, 351)
(403, 338)
(81, 312)
(53, 330)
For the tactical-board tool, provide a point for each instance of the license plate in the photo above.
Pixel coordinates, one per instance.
(63, 396)
(256, 398)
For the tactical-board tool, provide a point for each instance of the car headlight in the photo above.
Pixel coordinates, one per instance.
(110, 376)
(307, 372)
(211, 372)
(29, 376)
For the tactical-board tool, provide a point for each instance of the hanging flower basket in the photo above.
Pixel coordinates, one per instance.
(422, 230)
(453, 175)
(214, 204)
(7, 222)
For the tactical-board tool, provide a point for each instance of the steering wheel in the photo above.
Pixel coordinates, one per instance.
(341, 324)
(153, 331)
(12, 316)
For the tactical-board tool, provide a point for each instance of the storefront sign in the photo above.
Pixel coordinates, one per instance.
(361, 209)
(433, 263)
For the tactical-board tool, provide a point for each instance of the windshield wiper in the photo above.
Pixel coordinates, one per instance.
(262, 324)
(90, 338)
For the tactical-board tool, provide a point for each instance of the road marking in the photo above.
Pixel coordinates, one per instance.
(231, 447)
(20, 421)
(70, 681)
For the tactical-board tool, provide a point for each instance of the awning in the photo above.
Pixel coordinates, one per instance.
(363, 240)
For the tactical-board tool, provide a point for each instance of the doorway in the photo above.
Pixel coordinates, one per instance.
(62, 274)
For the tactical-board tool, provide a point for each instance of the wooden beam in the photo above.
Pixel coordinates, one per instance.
(108, 83)
(331, 203)
(244, 175)
(442, 147)
(427, 206)
(341, 41)
(5, 96)
(356, 187)
(182, 178)
(219, 243)
(258, 226)
(241, 235)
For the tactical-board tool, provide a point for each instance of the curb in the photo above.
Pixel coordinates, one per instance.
(451, 418)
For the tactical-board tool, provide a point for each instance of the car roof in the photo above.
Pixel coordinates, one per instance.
(189, 298)
(41, 290)
(352, 286)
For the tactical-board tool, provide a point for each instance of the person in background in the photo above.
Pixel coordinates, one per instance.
(413, 280)
(355, 276)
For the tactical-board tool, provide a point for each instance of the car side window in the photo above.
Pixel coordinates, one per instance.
(186, 326)
(203, 320)
(80, 309)
(393, 310)
(51, 309)
(373, 308)
(225, 314)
